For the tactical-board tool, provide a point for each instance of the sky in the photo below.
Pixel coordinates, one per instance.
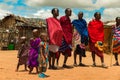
(109, 9)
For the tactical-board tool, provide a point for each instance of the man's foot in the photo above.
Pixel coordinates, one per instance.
(116, 64)
(81, 64)
(57, 65)
(94, 65)
(66, 66)
(104, 66)
(75, 64)
(50, 67)
(53, 67)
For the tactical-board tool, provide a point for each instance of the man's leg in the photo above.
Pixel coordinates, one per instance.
(102, 61)
(67, 53)
(116, 59)
(65, 59)
(53, 60)
(57, 63)
(75, 55)
(93, 58)
(49, 58)
(80, 60)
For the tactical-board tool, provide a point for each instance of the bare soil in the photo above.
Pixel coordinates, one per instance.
(8, 63)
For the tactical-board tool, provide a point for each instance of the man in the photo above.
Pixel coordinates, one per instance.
(81, 26)
(116, 40)
(96, 37)
(68, 32)
(55, 34)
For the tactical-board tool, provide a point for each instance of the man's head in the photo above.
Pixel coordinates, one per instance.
(80, 15)
(97, 15)
(117, 20)
(55, 12)
(68, 12)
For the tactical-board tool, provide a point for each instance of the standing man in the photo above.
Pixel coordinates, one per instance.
(116, 40)
(55, 34)
(81, 28)
(66, 47)
(96, 38)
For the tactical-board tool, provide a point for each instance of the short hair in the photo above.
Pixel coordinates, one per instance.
(53, 10)
(117, 18)
(97, 13)
(80, 12)
(67, 9)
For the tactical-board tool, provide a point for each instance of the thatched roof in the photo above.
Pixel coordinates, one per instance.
(31, 22)
(109, 23)
(0, 23)
(21, 21)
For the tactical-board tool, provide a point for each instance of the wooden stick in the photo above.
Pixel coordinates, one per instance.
(111, 53)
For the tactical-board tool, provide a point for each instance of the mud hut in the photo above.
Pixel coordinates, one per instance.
(8, 30)
(108, 35)
(13, 27)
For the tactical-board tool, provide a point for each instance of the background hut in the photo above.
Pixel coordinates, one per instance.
(108, 35)
(13, 27)
(8, 30)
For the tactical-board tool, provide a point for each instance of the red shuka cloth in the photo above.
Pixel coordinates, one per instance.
(67, 29)
(54, 31)
(96, 31)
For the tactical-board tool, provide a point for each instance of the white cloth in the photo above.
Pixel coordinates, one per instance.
(53, 48)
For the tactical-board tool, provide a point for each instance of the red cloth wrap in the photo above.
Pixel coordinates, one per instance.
(55, 31)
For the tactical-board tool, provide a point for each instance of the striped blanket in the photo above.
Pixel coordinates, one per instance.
(116, 39)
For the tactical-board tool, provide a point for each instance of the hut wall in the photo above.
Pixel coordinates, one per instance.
(8, 22)
(107, 39)
(8, 31)
(14, 32)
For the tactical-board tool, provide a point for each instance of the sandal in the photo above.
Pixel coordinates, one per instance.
(104, 66)
(75, 65)
(116, 64)
(81, 64)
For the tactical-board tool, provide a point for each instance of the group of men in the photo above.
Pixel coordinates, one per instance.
(60, 33)
(60, 36)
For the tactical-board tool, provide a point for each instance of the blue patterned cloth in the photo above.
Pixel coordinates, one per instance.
(81, 27)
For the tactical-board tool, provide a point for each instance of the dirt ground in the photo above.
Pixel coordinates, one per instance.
(8, 61)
